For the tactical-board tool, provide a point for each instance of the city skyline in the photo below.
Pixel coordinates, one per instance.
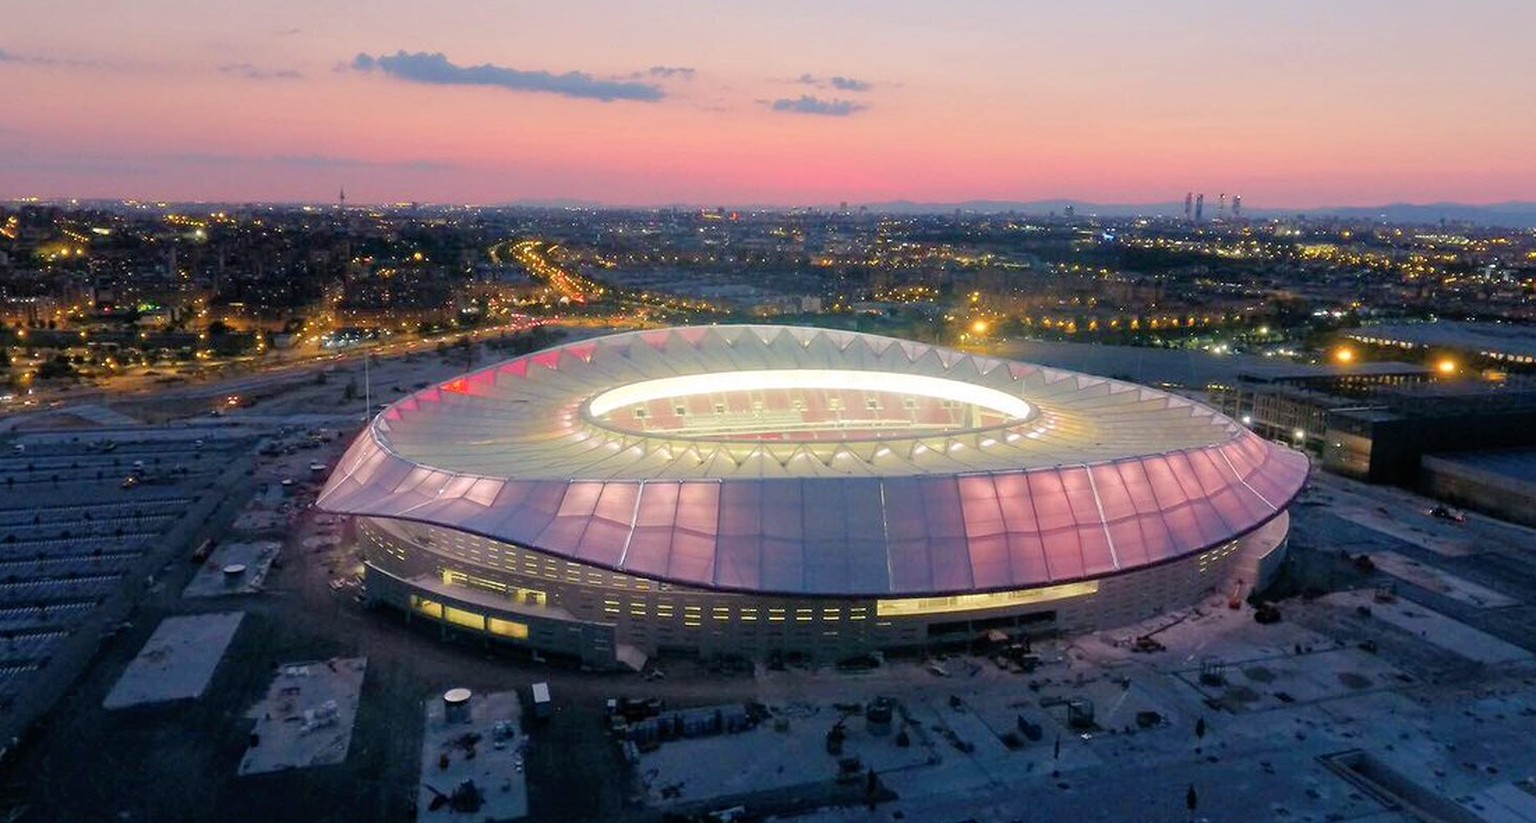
(803, 104)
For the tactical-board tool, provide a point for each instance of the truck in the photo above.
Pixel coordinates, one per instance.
(542, 707)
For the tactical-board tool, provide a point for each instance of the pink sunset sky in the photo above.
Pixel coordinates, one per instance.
(1295, 104)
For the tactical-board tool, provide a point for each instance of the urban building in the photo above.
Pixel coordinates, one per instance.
(765, 490)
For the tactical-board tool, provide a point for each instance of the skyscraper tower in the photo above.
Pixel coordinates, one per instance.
(1189, 205)
(1237, 205)
(341, 199)
(1221, 207)
(1199, 207)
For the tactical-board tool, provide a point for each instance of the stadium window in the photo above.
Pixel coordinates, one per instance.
(970, 602)
(465, 618)
(427, 607)
(508, 628)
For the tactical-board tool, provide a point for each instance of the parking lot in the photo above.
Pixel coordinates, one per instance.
(88, 516)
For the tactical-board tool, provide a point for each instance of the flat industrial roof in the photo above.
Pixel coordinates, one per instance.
(1487, 338)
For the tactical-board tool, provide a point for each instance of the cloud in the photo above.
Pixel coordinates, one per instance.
(837, 82)
(29, 158)
(302, 161)
(681, 72)
(28, 60)
(323, 161)
(435, 69)
(808, 104)
(251, 72)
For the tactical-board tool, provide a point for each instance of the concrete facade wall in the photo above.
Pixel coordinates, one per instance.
(587, 613)
(1501, 496)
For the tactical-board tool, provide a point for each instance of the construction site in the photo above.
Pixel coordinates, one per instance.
(202, 635)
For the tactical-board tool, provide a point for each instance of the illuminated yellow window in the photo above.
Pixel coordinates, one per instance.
(508, 628)
(972, 602)
(428, 607)
(464, 617)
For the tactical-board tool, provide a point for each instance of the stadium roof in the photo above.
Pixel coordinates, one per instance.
(740, 457)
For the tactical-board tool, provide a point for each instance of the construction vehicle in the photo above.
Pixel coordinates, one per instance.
(1148, 642)
(1443, 512)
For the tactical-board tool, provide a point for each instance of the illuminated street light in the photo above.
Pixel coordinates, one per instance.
(1446, 367)
(1344, 355)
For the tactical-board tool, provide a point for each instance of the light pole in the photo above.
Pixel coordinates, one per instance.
(367, 390)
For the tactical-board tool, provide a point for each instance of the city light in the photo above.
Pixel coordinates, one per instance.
(1344, 356)
(1446, 366)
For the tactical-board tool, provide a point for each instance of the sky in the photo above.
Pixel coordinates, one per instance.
(1305, 103)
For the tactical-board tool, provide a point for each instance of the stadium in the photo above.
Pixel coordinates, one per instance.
(759, 491)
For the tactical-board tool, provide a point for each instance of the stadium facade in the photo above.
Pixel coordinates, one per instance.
(761, 490)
